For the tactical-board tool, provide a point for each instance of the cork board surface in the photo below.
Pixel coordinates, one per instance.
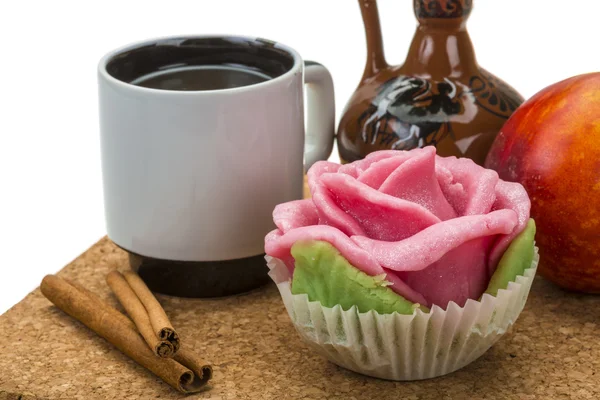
(553, 351)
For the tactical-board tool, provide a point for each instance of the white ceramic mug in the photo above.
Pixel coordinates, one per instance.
(193, 176)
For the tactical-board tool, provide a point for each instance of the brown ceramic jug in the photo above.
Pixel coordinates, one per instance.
(439, 96)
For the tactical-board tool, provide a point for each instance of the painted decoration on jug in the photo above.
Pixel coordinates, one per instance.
(442, 8)
(410, 112)
(494, 95)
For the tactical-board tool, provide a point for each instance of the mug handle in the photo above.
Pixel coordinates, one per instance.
(320, 100)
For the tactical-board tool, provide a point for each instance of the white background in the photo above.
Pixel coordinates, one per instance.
(51, 200)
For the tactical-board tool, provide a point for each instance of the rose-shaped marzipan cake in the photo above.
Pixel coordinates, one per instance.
(401, 226)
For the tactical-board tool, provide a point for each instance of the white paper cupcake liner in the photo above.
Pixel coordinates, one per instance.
(404, 347)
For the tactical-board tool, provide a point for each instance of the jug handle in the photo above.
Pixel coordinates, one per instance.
(375, 56)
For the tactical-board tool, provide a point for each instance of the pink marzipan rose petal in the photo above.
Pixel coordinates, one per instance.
(468, 187)
(512, 196)
(327, 210)
(319, 168)
(404, 290)
(378, 172)
(349, 169)
(295, 214)
(380, 216)
(279, 245)
(273, 248)
(330, 213)
(357, 168)
(415, 181)
(429, 245)
(461, 274)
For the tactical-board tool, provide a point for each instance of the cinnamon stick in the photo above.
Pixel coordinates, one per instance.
(186, 372)
(183, 357)
(137, 312)
(101, 304)
(158, 318)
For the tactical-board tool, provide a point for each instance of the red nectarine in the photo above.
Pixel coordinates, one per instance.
(551, 145)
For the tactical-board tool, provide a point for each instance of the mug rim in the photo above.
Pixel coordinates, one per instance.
(106, 76)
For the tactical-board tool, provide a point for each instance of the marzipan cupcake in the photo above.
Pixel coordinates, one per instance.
(404, 265)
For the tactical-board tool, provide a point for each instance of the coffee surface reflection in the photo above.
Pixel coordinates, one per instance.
(190, 78)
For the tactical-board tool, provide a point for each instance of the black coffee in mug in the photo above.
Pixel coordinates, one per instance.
(209, 77)
(201, 138)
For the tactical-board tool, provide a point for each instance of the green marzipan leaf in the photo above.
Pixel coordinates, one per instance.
(515, 260)
(324, 275)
